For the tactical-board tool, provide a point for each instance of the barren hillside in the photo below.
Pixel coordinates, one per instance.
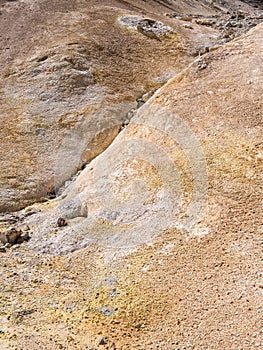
(131, 175)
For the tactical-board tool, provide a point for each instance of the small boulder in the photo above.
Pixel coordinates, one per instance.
(61, 222)
(10, 236)
(13, 236)
(24, 237)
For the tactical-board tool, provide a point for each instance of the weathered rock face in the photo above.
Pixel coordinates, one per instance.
(186, 171)
(77, 71)
(158, 172)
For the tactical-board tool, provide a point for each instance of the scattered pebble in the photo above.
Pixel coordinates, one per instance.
(61, 222)
(2, 249)
(106, 311)
(103, 341)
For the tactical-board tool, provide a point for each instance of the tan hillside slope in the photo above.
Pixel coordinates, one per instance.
(78, 67)
(164, 228)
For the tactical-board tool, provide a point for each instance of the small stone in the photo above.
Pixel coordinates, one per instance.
(113, 293)
(8, 245)
(10, 236)
(106, 311)
(61, 222)
(187, 26)
(24, 237)
(103, 341)
(15, 247)
(2, 249)
(204, 22)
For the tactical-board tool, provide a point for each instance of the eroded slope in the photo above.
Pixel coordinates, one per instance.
(185, 287)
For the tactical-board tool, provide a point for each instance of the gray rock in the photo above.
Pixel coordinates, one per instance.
(146, 26)
(10, 236)
(107, 311)
(13, 236)
(61, 222)
(24, 237)
(2, 249)
(103, 341)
